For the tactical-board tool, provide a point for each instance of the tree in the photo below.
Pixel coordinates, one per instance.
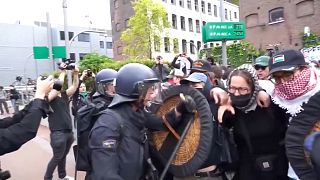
(238, 53)
(94, 62)
(149, 21)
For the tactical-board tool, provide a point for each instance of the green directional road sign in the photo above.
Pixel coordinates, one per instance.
(217, 31)
(40, 52)
(59, 51)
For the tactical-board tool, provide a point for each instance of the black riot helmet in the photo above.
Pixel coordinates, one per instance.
(132, 82)
(104, 78)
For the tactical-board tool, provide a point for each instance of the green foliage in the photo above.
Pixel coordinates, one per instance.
(97, 62)
(237, 54)
(236, 2)
(149, 21)
(310, 41)
(93, 61)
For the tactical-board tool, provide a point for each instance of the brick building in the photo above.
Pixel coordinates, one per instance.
(271, 22)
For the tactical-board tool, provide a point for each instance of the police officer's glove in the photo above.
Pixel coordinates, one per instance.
(187, 105)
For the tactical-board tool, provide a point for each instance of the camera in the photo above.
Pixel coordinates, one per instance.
(19, 78)
(57, 84)
(89, 73)
(69, 62)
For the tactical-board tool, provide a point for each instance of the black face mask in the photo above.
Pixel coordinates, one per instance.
(240, 101)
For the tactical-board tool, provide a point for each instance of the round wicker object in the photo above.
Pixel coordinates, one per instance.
(195, 147)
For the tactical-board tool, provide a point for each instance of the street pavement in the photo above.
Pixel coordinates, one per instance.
(30, 161)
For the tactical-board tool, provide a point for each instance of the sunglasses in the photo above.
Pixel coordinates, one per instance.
(260, 67)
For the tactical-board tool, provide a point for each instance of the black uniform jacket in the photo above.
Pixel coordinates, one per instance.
(22, 127)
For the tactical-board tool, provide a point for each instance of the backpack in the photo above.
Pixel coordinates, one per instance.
(86, 118)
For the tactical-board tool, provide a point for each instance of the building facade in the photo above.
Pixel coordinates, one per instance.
(279, 23)
(186, 17)
(17, 42)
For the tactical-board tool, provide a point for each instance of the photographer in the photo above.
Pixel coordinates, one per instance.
(23, 126)
(60, 122)
(81, 97)
(182, 62)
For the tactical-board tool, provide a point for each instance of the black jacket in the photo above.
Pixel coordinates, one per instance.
(22, 127)
(260, 134)
(162, 71)
(117, 143)
(300, 126)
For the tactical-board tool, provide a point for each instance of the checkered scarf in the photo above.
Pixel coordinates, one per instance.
(296, 87)
(252, 103)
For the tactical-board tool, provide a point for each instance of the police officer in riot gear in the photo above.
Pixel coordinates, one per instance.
(104, 86)
(118, 137)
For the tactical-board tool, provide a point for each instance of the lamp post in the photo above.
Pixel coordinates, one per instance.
(224, 42)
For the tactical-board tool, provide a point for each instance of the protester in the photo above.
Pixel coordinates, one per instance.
(3, 98)
(23, 126)
(161, 70)
(183, 63)
(60, 125)
(258, 132)
(14, 96)
(261, 66)
(297, 91)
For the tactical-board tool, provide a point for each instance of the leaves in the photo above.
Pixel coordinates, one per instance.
(237, 53)
(310, 41)
(149, 21)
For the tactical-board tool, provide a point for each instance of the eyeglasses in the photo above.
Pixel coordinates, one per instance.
(241, 90)
(257, 67)
(285, 75)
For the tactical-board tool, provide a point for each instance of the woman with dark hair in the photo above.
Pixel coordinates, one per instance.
(258, 132)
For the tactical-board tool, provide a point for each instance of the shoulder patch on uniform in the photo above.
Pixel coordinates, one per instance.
(109, 144)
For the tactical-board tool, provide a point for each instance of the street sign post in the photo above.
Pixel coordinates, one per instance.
(42, 52)
(218, 31)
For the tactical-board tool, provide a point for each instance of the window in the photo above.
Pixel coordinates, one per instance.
(209, 9)
(164, 1)
(101, 44)
(82, 55)
(192, 47)
(73, 56)
(203, 7)
(235, 15)
(174, 21)
(197, 26)
(175, 45)
(109, 45)
(126, 23)
(189, 4)
(183, 23)
(198, 45)
(62, 35)
(173, 2)
(252, 20)
(84, 37)
(276, 15)
(226, 14)
(230, 16)
(157, 43)
(211, 45)
(166, 44)
(116, 4)
(305, 8)
(190, 25)
(215, 11)
(184, 46)
(118, 27)
(196, 5)
(181, 3)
